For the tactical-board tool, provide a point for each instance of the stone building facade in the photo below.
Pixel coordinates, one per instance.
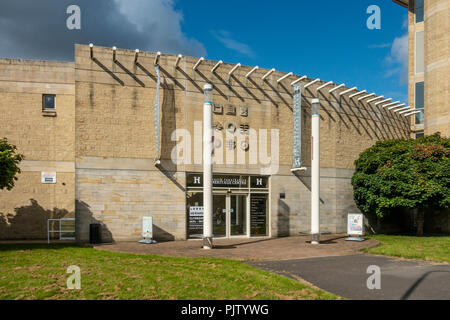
(101, 141)
(429, 64)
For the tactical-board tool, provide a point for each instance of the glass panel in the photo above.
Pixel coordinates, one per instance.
(49, 101)
(419, 10)
(219, 215)
(194, 214)
(420, 47)
(419, 135)
(238, 215)
(420, 117)
(258, 214)
(420, 95)
(420, 102)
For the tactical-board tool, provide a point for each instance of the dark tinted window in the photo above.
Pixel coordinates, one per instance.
(420, 102)
(419, 10)
(48, 101)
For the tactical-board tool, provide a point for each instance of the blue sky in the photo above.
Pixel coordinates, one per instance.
(322, 39)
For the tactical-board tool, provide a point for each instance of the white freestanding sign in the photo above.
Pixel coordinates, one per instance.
(147, 230)
(355, 224)
(147, 227)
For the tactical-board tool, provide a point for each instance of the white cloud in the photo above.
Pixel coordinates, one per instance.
(162, 23)
(398, 58)
(38, 31)
(380, 45)
(225, 38)
(397, 61)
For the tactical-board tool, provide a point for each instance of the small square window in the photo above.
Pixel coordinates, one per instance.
(48, 101)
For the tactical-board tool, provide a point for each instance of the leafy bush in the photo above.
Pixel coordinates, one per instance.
(9, 164)
(404, 173)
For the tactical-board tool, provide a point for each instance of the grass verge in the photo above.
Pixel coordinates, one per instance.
(432, 248)
(36, 271)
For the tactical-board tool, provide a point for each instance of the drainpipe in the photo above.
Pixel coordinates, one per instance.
(207, 168)
(315, 170)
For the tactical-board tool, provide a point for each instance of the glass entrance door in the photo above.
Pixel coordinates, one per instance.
(230, 215)
(220, 215)
(238, 215)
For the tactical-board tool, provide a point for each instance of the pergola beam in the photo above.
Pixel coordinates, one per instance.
(324, 85)
(336, 88)
(216, 66)
(178, 60)
(398, 106)
(311, 83)
(285, 77)
(251, 71)
(234, 69)
(268, 74)
(411, 113)
(298, 80)
(408, 108)
(357, 94)
(405, 111)
(114, 49)
(348, 91)
(198, 63)
(384, 101)
(158, 55)
(390, 104)
(366, 96)
(375, 99)
(91, 50)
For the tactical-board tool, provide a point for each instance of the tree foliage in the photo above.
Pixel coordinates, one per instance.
(403, 173)
(9, 164)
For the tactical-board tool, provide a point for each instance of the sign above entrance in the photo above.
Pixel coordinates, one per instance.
(228, 181)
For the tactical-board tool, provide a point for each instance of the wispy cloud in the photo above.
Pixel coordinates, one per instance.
(397, 60)
(226, 39)
(380, 45)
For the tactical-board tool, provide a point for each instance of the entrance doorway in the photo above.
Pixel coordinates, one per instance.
(240, 206)
(230, 215)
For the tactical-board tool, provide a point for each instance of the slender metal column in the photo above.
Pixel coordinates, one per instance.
(315, 171)
(207, 168)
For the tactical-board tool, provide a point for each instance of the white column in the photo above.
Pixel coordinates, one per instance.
(207, 168)
(315, 171)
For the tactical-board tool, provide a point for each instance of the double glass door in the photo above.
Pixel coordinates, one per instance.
(230, 215)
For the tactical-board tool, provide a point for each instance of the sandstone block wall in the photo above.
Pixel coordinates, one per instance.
(48, 144)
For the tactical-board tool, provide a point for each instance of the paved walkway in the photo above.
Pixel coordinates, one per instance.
(347, 276)
(249, 249)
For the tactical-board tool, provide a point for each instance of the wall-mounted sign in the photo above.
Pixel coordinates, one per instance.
(228, 181)
(48, 177)
(258, 214)
(355, 224)
(297, 129)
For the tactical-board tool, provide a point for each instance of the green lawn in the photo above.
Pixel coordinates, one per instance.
(425, 248)
(39, 272)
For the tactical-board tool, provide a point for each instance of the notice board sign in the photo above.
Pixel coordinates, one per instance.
(258, 214)
(147, 227)
(355, 224)
(195, 219)
(48, 177)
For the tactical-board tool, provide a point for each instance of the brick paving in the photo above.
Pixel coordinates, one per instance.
(297, 247)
